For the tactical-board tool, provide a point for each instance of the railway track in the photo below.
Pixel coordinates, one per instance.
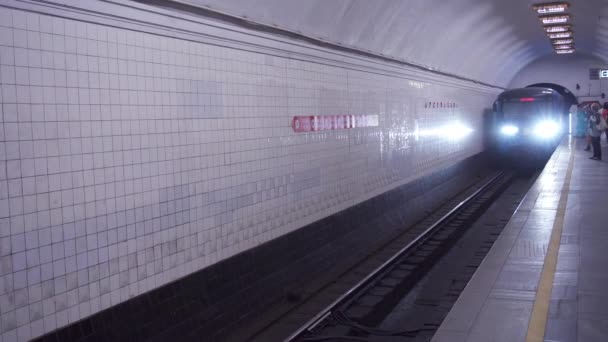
(355, 314)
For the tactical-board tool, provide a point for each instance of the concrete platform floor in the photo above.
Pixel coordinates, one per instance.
(546, 278)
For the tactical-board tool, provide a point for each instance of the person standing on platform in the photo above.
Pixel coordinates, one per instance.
(595, 131)
(604, 113)
(581, 122)
(587, 114)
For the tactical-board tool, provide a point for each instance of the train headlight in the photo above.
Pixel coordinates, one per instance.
(509, 130)
(546, 129)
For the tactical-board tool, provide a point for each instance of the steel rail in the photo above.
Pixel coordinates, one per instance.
(312, 323)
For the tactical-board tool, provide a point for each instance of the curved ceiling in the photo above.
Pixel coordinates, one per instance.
(489, 41)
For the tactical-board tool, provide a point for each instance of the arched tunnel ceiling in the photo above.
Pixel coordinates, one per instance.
(489, 41)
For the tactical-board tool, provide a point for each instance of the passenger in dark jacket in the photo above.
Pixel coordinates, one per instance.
(595, 131)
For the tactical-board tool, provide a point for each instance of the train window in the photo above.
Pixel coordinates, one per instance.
(515, 110)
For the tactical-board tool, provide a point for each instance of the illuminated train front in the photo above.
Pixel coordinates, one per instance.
(528, 120)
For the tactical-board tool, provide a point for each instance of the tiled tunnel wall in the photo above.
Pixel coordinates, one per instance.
(224, 301)
(135, 151)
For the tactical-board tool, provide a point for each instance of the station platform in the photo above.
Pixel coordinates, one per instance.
(546, 277)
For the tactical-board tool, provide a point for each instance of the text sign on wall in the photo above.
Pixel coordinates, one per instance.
(603, 73)
(332, 122)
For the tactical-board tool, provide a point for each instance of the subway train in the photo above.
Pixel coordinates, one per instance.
(528, 121)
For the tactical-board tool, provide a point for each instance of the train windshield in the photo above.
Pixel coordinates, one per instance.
(522, 110)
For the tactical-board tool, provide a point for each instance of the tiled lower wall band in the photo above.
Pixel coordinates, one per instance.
(207, 304)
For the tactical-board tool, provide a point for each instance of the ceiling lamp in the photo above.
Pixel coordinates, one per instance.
(563, 52)
(561, 35)
(551, 7)
(563, 41)
(557, 28)
(555, 19)
(563, 47)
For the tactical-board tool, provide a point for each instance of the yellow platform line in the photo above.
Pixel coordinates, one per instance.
(540, 311)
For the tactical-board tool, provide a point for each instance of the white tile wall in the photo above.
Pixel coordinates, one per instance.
(128, 159)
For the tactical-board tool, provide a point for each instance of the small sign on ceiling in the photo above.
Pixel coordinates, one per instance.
(603, 73)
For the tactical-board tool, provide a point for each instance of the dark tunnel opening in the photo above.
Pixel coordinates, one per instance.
(567, 94)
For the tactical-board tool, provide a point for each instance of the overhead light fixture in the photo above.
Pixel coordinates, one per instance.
(563, 47)
(557, 28)
(554, 19)
(564, 52)
(551, 7)
(560, 35)
(562, 41)
(556, 24)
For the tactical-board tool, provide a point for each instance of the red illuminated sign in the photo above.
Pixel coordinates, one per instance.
(332, 122)
(440, 105)
(526, 99)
